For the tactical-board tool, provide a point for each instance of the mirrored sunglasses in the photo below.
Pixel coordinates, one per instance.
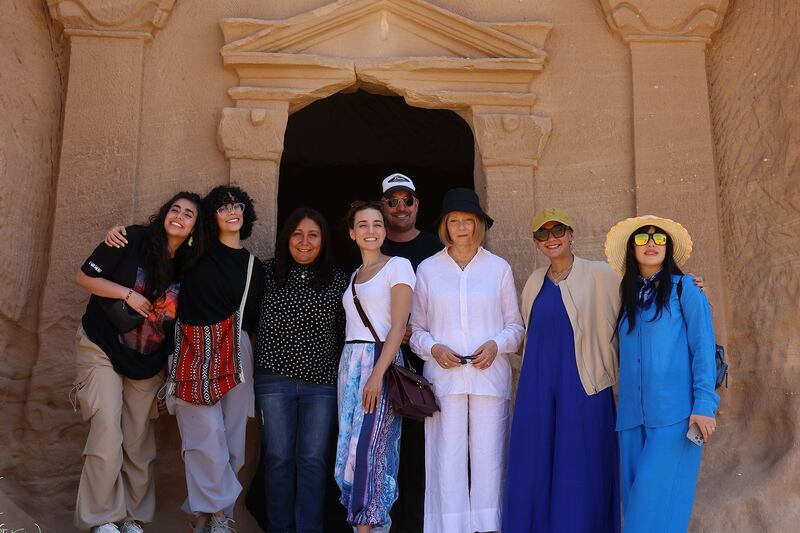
(641, 239)
(394, 202)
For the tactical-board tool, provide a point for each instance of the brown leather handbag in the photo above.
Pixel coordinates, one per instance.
(411, 394)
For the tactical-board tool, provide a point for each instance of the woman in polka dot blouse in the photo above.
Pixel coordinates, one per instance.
(300, 338)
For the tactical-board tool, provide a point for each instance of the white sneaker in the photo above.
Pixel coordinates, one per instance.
(220, 524)
(131, 526)
(106, 528)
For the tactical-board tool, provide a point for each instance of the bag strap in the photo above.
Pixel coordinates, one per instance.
(679, 291)
(246, 290)
(360, 309)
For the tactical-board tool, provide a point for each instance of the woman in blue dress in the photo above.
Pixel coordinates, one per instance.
(563, 470)
(667, 373)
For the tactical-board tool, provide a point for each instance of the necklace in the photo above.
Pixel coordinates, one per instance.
(558, 277)
(462, 263)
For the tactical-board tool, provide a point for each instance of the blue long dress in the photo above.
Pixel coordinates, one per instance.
(563, 465)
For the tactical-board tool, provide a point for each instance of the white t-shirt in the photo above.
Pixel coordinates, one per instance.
(375, 296)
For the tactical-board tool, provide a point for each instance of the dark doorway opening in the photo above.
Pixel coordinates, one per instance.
(339, 149)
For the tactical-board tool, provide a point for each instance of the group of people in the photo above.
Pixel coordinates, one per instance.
(304, 346)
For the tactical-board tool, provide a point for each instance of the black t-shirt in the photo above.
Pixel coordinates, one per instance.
(212, 290)
(141, 352)
(416, 250)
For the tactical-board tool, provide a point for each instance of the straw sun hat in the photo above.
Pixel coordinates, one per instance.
(617, 239)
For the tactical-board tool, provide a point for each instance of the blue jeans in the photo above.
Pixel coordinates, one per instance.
(296, 440)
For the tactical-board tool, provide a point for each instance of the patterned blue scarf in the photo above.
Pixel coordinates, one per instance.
(647, 289)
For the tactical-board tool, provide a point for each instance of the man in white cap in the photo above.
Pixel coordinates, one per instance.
(400, 206)
(403, 239)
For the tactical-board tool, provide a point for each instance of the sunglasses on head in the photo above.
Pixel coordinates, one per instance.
(641, 239)
(394, 202)
(557, 231)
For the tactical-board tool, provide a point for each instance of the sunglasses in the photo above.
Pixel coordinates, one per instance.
(641, 239)
(556, 231)
(394, 202)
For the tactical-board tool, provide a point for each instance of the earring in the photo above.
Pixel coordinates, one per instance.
(191, 238)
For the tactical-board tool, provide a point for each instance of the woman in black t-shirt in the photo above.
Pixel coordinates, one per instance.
(212, 428)
(300, 339)
(119, 369)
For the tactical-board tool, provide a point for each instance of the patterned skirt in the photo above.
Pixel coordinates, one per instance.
(368, 446)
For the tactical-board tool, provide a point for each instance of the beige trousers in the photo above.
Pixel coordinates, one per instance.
(116, 481)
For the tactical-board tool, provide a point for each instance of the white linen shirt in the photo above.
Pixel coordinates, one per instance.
(462, 309)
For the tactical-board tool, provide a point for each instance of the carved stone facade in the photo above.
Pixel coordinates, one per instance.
(601, 107)
(432, 57)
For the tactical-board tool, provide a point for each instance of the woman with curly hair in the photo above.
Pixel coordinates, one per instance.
(211, 373)
(120, 359)
(210, 383)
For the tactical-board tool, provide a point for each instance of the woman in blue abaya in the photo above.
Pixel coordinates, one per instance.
(563, 470)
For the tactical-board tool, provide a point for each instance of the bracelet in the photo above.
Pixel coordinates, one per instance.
(130, 291)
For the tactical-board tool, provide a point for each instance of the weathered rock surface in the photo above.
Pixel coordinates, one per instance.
(749, 480)
(750, 476)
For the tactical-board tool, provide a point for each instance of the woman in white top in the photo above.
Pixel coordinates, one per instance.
(367, 449)
(465, 320)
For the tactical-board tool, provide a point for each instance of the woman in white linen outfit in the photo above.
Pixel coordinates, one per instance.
(465, 320)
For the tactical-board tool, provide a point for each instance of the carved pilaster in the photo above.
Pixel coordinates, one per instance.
(252, 138)
(510, 138)
(651, 20)
(131, 19)
(673, 141)
(510, 145)
(253, 133)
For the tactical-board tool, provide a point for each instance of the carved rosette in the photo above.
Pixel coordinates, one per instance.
(510, 139)
(132, 19)
(657, 20)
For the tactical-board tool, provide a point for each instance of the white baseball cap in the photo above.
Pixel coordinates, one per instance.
(397, 182)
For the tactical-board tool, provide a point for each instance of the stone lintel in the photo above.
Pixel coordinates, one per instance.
(667, 20)
(116, 19)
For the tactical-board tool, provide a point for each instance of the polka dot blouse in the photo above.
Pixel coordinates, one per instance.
(301, 329)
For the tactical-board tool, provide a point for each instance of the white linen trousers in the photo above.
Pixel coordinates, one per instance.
(213, 442)
(474, 428)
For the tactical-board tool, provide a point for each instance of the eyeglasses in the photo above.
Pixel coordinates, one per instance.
(238, 207)
(641, 239)
(394, 202)
(556, 231)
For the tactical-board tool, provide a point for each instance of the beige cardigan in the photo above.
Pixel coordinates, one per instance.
(591, 296)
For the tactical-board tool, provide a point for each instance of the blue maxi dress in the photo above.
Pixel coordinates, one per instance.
(563, 464)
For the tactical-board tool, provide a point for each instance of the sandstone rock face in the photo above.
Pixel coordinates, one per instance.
(749, 480)
(33, 68)
(580, 154)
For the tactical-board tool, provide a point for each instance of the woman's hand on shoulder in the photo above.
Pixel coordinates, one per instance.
(446, 357)
(706, 424)
(115, 237)
(699, 282)
(485, 354)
